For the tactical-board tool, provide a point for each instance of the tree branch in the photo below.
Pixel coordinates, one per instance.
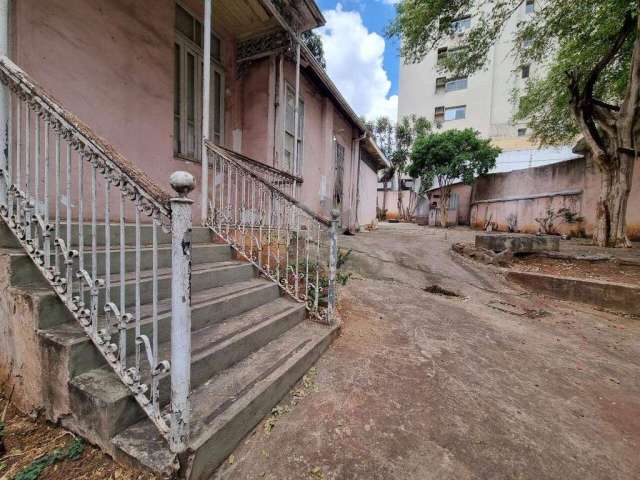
(617, 42)
(606, 105)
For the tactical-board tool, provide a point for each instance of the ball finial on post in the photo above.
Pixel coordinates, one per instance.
(182, 182)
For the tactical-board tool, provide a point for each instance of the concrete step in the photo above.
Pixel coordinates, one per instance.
(228, 406)
(203, 277)
(198, 234)
(74, 351)
(106, 405)
(201, 253)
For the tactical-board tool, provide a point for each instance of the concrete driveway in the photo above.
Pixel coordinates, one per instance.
(494, 384)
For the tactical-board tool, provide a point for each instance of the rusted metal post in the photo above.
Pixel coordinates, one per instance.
(333, 266)
(206, 90)
(182, 183)
(296, 118)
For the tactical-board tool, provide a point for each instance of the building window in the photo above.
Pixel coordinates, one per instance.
(525, 70)
(188, 68)
(289, 132)
(455, 113)
(522, 132)
(529, 6)
(441, 83)
(460, 25)
(438, 116)
(442, 53)
(456, 84)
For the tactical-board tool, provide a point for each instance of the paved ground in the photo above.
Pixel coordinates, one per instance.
(496, 384)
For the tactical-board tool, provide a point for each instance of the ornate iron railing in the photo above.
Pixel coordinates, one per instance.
(289, 243)
(64, 191)
(284, 181)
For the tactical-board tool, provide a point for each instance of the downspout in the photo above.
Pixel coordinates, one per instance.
(359, 160)
(296, 118)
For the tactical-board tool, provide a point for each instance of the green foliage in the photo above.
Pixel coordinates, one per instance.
(314, 43)
(395, 140)
(35, 468)
(450, 155)
(565, 36)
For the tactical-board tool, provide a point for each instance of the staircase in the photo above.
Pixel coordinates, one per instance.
(250, 344)
(161, 343)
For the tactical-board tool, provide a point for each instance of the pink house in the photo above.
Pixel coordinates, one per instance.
(132, 71)
(163, 325)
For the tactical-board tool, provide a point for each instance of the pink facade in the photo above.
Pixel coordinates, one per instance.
(111, 63)
(527, 194)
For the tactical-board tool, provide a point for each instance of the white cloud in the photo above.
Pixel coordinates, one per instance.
(354, 62)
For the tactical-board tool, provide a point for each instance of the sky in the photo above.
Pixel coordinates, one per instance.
(361, 61)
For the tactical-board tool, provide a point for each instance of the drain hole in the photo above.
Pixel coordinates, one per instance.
(438, 290)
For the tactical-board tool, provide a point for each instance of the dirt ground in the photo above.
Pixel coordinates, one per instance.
(601, 270)
(495, 383)
(34, 445)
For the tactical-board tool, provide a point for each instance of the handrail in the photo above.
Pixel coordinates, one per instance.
(21, 83)
(226, 154)
(63, 190)
(257, 164)
(284, 239)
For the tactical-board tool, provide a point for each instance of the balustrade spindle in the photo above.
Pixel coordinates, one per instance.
(30, 203)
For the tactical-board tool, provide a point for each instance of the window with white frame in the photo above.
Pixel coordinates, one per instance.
(454, 201)
(455, 113)
(289, 132)
(188, 71)
(460, 25)
(456, 84)
(530, 6)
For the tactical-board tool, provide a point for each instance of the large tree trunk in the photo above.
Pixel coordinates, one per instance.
(610, 132)
(444, 206)
(611, 213)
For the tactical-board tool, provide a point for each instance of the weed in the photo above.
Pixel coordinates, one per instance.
(35, 468)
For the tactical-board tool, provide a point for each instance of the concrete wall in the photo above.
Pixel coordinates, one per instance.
(392, 200)
(457, 216)
(367, 205)
(528, 193)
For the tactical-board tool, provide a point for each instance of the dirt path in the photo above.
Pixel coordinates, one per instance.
(493, 384)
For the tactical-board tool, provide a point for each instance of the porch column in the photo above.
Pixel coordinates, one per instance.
(296, 116)
(4, 97)
(206, 89)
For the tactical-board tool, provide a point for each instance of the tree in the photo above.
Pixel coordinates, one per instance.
(395, 142)
(590, 83)
(450, 156)
(314, 44)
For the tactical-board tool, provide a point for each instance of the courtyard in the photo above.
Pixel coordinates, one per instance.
(479, 379)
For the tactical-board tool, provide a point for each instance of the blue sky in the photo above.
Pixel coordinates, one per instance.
(360, 59)
(376, 14)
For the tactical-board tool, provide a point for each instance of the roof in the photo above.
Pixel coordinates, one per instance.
(324, 78)
(371, 147)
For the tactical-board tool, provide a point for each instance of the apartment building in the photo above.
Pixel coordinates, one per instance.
(482, 101)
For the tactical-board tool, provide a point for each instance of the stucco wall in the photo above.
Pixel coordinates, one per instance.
(368, 187)
(111, 62)
(529, 193)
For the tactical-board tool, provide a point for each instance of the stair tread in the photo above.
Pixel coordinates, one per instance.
(210, 337)
(213, 402)
(166, 272)
(72, 332)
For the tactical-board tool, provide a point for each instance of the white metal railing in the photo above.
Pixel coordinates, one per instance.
(283, 181)
(289, 243)
(64, 192)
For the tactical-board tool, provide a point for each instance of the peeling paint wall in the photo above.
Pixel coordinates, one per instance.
(529, 193)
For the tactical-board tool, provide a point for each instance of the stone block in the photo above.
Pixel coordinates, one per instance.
(518, 242)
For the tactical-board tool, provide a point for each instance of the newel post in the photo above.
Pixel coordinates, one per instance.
(333, 266)
(182, 183)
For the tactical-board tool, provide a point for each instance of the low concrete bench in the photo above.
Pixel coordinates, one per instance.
(518, 242)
